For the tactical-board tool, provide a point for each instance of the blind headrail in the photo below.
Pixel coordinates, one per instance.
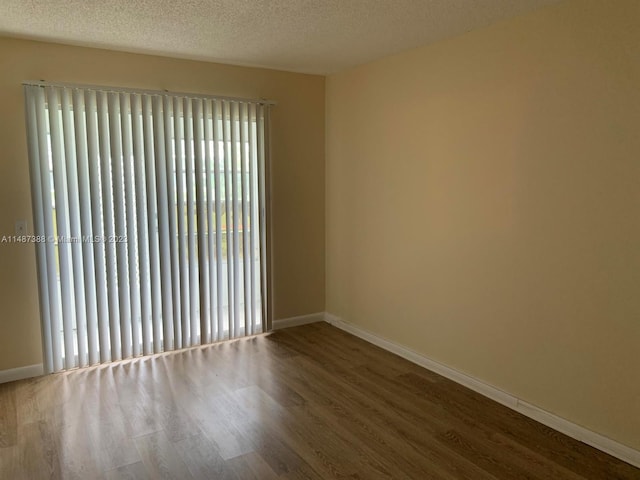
(105, 88)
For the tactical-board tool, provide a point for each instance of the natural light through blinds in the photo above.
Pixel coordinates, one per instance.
(149, 213)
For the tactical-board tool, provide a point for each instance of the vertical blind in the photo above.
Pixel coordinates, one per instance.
(149, 220)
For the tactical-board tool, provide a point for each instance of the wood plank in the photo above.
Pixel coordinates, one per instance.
(133, 471)
(10, 463)
(79, 459)
(251, 466)
(160, 457)
(8, 416)
(203, 460)
(38, 453)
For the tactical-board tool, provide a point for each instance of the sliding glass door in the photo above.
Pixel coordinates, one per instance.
(150, 220)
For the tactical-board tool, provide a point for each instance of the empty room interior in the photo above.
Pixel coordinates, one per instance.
(320, 239)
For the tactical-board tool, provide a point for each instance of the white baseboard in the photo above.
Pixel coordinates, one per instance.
(551, 420)
(21, 373)
(295, 321)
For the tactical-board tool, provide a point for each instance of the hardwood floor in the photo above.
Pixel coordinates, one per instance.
(309, 402)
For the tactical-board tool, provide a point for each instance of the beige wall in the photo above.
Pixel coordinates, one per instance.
(297, 173)
(483, 207)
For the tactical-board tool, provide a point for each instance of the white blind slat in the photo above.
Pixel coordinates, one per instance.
(228, 236)
(62, 224)
(142, 225)
(209, 148)
(183, 250)
(244, 166)
(36, 158)
(253, 219)
(152, 224)
(192, 260)
(201, 214)
(133, 328)
(262, 213)
(106, 180)
(163, 224)
(218, 198)
(236, 220)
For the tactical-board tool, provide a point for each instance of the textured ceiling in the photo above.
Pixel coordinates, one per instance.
(312, 36)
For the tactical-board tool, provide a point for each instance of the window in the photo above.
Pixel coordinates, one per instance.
(149, 213)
